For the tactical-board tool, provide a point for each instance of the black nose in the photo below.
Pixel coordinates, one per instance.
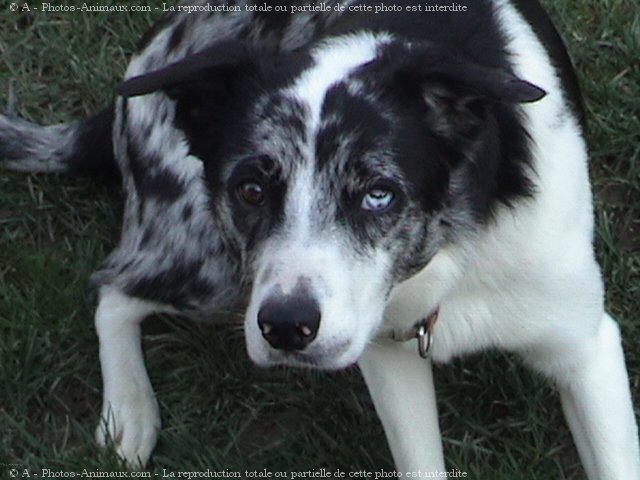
(289, 322)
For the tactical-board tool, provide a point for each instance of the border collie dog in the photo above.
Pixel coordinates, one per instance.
(350, 174)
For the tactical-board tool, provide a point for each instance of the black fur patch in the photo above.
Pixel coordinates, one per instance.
(93, 151)
(177, 286)
(348, 118)
(177, 36)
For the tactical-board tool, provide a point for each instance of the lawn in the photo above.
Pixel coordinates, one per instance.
(219, 412)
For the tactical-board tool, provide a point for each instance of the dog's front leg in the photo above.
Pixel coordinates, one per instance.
(594, 388)
(597, 404)
(401, 385)
(130, 415)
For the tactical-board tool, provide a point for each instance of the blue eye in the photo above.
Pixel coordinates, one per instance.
(377, 200)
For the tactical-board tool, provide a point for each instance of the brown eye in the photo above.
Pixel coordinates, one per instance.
(251, 193)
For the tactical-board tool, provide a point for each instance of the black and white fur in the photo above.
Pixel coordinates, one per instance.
(346, 174)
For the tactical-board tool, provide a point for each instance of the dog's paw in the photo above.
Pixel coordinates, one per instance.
(130, 424)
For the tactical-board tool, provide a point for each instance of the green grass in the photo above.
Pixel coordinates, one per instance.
(220, 412)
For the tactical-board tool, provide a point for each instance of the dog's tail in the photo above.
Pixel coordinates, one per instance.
(83, 147)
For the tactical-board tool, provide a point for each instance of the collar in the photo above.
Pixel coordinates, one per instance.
(422, 331)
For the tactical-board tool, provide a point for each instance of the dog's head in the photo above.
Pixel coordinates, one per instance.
(338, 172)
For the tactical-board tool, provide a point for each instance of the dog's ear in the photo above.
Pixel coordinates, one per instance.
(427, 63)
(456, 90)
(201, 83)
(205, 70)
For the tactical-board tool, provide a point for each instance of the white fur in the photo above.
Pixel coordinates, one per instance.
(401, 386)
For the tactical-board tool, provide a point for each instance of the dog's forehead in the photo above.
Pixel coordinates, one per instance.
(325, 110)
(333, 62)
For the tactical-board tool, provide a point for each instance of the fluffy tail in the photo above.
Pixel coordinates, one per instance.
(83, 147)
